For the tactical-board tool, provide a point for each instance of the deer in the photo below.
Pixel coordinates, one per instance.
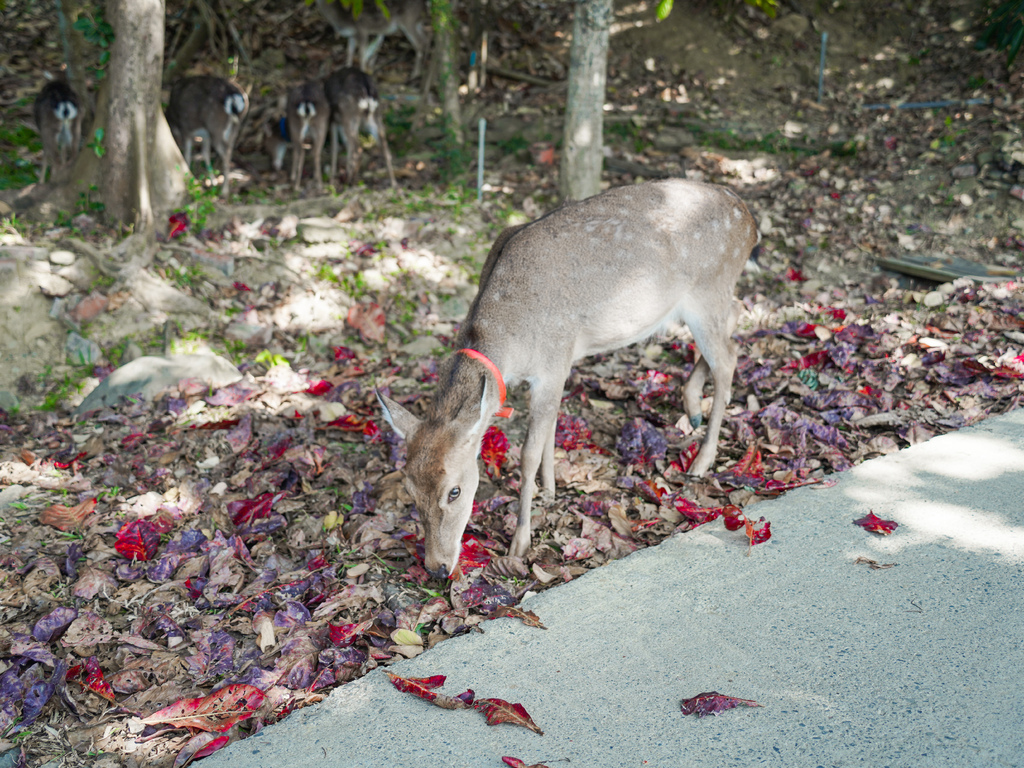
(587, 278)
(276, 140)
(58, 113)
(210, 109)
(355, 104)
(308, 117)
(407, 16)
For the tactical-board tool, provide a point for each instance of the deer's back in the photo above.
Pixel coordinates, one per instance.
(598, 274)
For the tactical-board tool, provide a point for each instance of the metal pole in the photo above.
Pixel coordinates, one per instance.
(480, 161)
(821, 66)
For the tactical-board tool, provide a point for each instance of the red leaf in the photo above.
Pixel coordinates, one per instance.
(493, 448)
(500, 711)
(875, 524)
(247, 510)
(688, 454)
(758, 532)
(216, 712)
(91, 678)
(200, 745)
(734, 518)
(137, 540)
(713, 703)
(350, 423)
(179, 223)
(65, 518)
(515, 762)
(368, 319)
(473, 555)
(417, 686)
(345, 634)
(795, 275)
(420, 686)
(241, 287)
(318, 388)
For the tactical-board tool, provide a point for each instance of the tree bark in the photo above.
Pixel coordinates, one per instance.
(446, 39)
(75, 48)
(583, 149)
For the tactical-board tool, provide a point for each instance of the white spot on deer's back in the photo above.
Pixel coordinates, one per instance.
(736, 213)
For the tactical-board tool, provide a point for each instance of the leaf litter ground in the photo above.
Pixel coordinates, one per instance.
(214, 560)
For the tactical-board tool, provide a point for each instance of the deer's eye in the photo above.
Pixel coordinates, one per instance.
(453, 494)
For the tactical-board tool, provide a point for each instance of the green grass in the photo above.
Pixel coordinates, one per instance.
(15, 171)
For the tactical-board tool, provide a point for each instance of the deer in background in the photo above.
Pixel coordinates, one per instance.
(58, 114)
(210, 109)
(586, 278)
(308, 115)
(407, 16)
(355, 104)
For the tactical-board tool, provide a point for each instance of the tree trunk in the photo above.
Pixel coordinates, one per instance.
(134, 168)
(583, 150)
(446, 39)
(76, 49)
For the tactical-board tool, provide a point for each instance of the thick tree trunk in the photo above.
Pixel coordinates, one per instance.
(583, 151)
(134, 181)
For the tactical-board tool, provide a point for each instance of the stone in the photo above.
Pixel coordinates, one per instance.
(157, 296)
(150, 375)
(250, 334)
(8, 401)
(672, 139)
(421, 346)
(50, 284)
(62, 258)
(933, 298)
(320, 229)
(965, 171)
(82, 351)
(792, 25)
(222, 262)
(89, 308)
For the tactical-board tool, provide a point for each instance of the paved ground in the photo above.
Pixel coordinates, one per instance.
(921, 664)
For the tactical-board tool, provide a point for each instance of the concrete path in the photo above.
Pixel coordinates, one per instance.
(921, 664)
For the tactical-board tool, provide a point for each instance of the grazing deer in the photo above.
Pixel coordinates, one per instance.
(276, 140)
(58, 114)
(309, 115)
(210, 109)
(409, 16)
(586, 278)
(355, 104)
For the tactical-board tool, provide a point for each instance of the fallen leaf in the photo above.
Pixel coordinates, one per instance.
(200, 745)
(873, 564)
(493, 449)
(65, 518)
(871, 522)
(529, 618)
(216, 712)
(515, 762)
(758, 532)
(421, 687)
(500, 711)
(713, 703)
(137, 540)
(368, 319)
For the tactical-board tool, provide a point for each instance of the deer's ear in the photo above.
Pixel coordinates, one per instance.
(403, 422)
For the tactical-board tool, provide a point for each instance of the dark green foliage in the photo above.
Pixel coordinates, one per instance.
(1004, 28)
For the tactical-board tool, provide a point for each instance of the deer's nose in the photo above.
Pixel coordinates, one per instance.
(441, 572)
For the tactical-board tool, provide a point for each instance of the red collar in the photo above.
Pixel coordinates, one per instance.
(504, 411)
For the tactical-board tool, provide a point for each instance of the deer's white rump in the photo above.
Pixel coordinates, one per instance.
(587, 278)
